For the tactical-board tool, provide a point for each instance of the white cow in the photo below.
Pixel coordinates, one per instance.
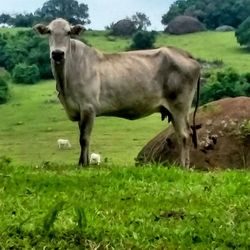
(129, 85)
(63, 144)
(95, 159)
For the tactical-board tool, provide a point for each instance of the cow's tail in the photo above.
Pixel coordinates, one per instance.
(194, 134)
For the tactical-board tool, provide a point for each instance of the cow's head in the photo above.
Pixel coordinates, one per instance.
(59, 31)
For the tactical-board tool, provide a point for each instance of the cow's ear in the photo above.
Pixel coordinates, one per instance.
(41, 29)
(77, 29)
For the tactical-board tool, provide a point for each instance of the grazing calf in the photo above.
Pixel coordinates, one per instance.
(95, 159)
(63, 144)
(130, 85)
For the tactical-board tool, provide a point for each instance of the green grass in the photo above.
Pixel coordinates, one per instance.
(46, 203)
(209, 45)
(212, 46)
(33, 120)
(55, 206)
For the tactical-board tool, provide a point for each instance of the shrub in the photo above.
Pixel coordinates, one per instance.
(143, 40)
(25, 47)
(23, 73)
(243, 33)
(227, 83)
(4, 86)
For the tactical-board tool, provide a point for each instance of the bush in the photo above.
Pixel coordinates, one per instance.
(4, 86)
(227, 83)
(143, 40)
(25, 47)
(23, 73)
(243, 33)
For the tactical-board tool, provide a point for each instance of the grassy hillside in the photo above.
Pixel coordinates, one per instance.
(45, 203)
(34, 119)
(205, 45)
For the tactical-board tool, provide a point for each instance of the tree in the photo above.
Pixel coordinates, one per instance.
(212, 13)
(23, 20)
(243, 33)
(70, 10)
(5, 18)
(141, 21)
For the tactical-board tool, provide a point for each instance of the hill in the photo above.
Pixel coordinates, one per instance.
(47, 203)
(34, 120)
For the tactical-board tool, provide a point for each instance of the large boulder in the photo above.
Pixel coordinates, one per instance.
(124, 27)
(224, 138)
(225, 28)
(183, 25)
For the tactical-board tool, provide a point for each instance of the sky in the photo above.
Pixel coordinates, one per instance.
(101, 12)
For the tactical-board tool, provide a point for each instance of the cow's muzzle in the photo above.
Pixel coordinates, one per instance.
(57, 55)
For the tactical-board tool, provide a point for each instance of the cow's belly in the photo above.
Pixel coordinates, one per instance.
(132, 109)
(128, 113)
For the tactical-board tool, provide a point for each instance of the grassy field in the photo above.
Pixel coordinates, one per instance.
(46, 203)
(209, 45)
(34, 119)
(57, 207)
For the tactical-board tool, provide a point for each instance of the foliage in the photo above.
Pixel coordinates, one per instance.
(141, 21)
(4, 86)
(212, 13)
(129, 25)
(19, 20)
(23, 73)
(226, 83)
(70, 10)
(243, 33)
(143, 40)
(25, 47)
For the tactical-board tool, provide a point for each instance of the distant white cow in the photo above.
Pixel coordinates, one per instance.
(95, 159)
(63, 144)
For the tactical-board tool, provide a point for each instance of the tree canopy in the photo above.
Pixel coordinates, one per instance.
(243, 33)
(70, 10)
(212, 13)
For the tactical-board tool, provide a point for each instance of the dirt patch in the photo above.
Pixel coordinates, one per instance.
(224, 138)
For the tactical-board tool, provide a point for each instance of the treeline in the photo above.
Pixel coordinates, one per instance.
(212, 13)
(70, 10)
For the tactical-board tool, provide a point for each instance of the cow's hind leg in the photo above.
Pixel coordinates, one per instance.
(85, 127)
(181, 126)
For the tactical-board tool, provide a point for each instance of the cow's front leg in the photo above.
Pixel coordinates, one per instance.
(85, 126)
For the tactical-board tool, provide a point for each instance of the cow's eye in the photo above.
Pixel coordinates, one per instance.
(49, 32)
(69, 33)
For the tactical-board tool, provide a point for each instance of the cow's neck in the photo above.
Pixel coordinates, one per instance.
(77, 54)
(60, 76)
